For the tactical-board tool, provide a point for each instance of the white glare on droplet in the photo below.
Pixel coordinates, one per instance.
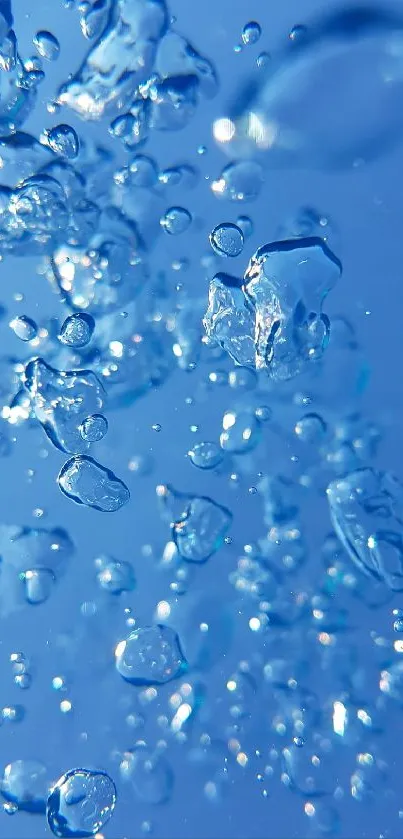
(339, 718)
(223, 130)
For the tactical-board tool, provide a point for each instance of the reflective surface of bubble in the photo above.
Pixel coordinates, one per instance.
(80, 803)
(63, 140)
(24, 327)
(47, 45)
(87, 482)
(150, 656)
(227, 240)
(76, 330)
(175, 221)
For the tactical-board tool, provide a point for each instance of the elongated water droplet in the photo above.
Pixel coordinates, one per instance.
(87, 482)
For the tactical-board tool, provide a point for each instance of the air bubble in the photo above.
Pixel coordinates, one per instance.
(77, 330)
(227, 240)
(24, 328)
(150, 656)
(94, 428)
(80, 803)
(206, 455)
(47, 45)
(87, 482)
(176, 221)
(251, 32)
(63, 140)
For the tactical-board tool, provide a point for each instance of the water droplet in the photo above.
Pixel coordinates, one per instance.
(77, 330)
(39, 583)
(241, 432)
(63, 140)
(47, 45)
(87, 482)
(24, 328)
(206, 455)
(239, 181)
(263, 59)
(251, 32)
(200, 529)
(80, 803)
(149, 772)
(227, 240)
(311, 429)
(94, 428)
(175, 221)
(150, 656)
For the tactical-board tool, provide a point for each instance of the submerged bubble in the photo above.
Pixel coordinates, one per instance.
(205, 455)
(239, 181)
(81, 803)
(246, 225)
(24, 328)
(149, 772)
(150, 656)
(77, 330)
(94, 428)
(115, 576)
(332, 95)
(87, 482)
(311, 429)
(47, 45)
(241, 431)
(24, 783)
(228, 320)
(63, 140)
(39, 583)
(227, 240)
(366, 510)
(201, 528)
(176, 220)
(251, 32)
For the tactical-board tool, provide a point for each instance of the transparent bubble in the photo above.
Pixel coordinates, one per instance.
(94, 18)
(239, 181)
(24, 328)
(47, 45)
(77, 330)
(143, 171)
(39, 583)
(175, 221)
(115, 576)
(324, 820)
(150, 656)
(206, 455)
(87, 482)
(149, 773)
(251, 32)
(311, 429)
(24, 783)
(229, 322)
(200, 529)
(80, 803)
(227, 240)
(63, 140)
(246, 225)
(241, 432)
(391, 681)
(94, 428)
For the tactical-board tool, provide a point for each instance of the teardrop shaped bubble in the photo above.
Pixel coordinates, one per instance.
(25, 784)
(176, 220)
(149, 773)
(94, 428)
(331, 97)
(77, 330)
(206, 455)
(81, 803)
(63, 140)
(47, 45)
(241, 180)
(87, 482)
(251, 32)
(150, 655)
(24, 328)
(227, 240)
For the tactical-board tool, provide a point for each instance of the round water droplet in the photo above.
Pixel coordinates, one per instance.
(149, 772)
(47, 45)
(175, 221)
(150, 656)
(24, 328)
(239, 181)
(227, 240)
(311, 429)
(251, 32)
(80, 803)
(206, 455)
(63, 140)
(77, 330)
(263, 59)
(94, 428)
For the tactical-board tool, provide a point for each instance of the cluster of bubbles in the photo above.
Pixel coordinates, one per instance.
(291, 430)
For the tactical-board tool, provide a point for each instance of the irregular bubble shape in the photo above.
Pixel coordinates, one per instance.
(63, 140)
(286, 283)
(150, 655)
(62, 400)
(330, 97)
(227, 240)
(39, 583)
(280, 499)
(241, 180)
(24, 783)
(120, 60)
(24, 327)
(183, 175)
(102, 277)
(200, 528)
(241, 431)
(253, 579)
(143, 171)
(367, 515)
(251, 32)
(228, 320)
(94, 18)
(246, 225)
(87, 482)
(176, 57)
(94, 428)
(149, 773)
(76, 330)
(176, 220)
(17, 95)
(188, 332)
(391, 681)
(47, 45)
(173, 102)
(33, 217)
(132, 127)
(23, 156)
(114, 576)
(206, 455)
(369, 776)
(80, 803)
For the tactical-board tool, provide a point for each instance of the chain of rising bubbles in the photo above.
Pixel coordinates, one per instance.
(92, 227)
